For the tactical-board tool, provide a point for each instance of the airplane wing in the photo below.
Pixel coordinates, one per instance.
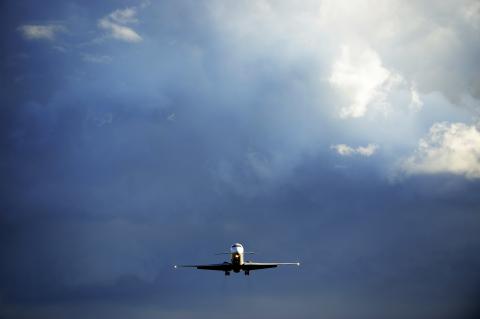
(221, 267)
(255, 266)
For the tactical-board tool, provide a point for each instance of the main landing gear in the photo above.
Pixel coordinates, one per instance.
(227, 273)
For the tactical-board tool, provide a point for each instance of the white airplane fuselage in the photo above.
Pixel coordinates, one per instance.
(237, 257)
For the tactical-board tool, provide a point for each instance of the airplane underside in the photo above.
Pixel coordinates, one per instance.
(229, 267)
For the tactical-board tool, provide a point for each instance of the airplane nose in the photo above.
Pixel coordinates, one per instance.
(237, 250)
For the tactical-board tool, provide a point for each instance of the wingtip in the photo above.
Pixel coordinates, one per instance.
(175, 266)
(298, 264)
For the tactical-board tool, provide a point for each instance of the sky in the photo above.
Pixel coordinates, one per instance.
(135, 135)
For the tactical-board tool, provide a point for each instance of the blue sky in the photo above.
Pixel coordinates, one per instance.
(140, 134)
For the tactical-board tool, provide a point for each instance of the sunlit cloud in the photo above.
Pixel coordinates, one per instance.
(416, 102)
(124, 16)
(346, 150)
(41, 32)
(448, 148)
(115, 25)
(362, 77)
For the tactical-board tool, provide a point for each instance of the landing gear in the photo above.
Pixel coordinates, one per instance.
(247, 273)
(227, 273)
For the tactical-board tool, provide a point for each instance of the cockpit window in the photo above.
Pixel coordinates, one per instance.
(236, 245)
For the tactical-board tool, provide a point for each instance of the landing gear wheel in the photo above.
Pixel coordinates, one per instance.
(227, 273)
(247, 273)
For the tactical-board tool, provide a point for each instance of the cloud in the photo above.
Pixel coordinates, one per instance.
(435, 49)
(119, 32)
(114, 181)
(416, 102)
(115, 24)
(362, 77)
(448, 148)
(345, 150)
(41, 32)
(471, 14)
(124, 16)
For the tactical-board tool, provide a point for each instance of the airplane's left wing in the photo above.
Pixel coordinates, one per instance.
(221, 267)
(254, 266)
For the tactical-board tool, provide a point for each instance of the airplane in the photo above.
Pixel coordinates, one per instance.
(237, 263)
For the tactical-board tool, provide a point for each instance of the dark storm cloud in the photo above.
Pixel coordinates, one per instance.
(190, 140)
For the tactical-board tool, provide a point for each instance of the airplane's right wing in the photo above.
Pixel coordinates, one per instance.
(220, 267)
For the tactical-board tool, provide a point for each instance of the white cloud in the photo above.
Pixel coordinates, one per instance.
(41, 32)
(448, 148)
(416, 102)
(124, 16)
(362, 77)
(345, 150)
(368, 150)
(115, 24)
(119, 32)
